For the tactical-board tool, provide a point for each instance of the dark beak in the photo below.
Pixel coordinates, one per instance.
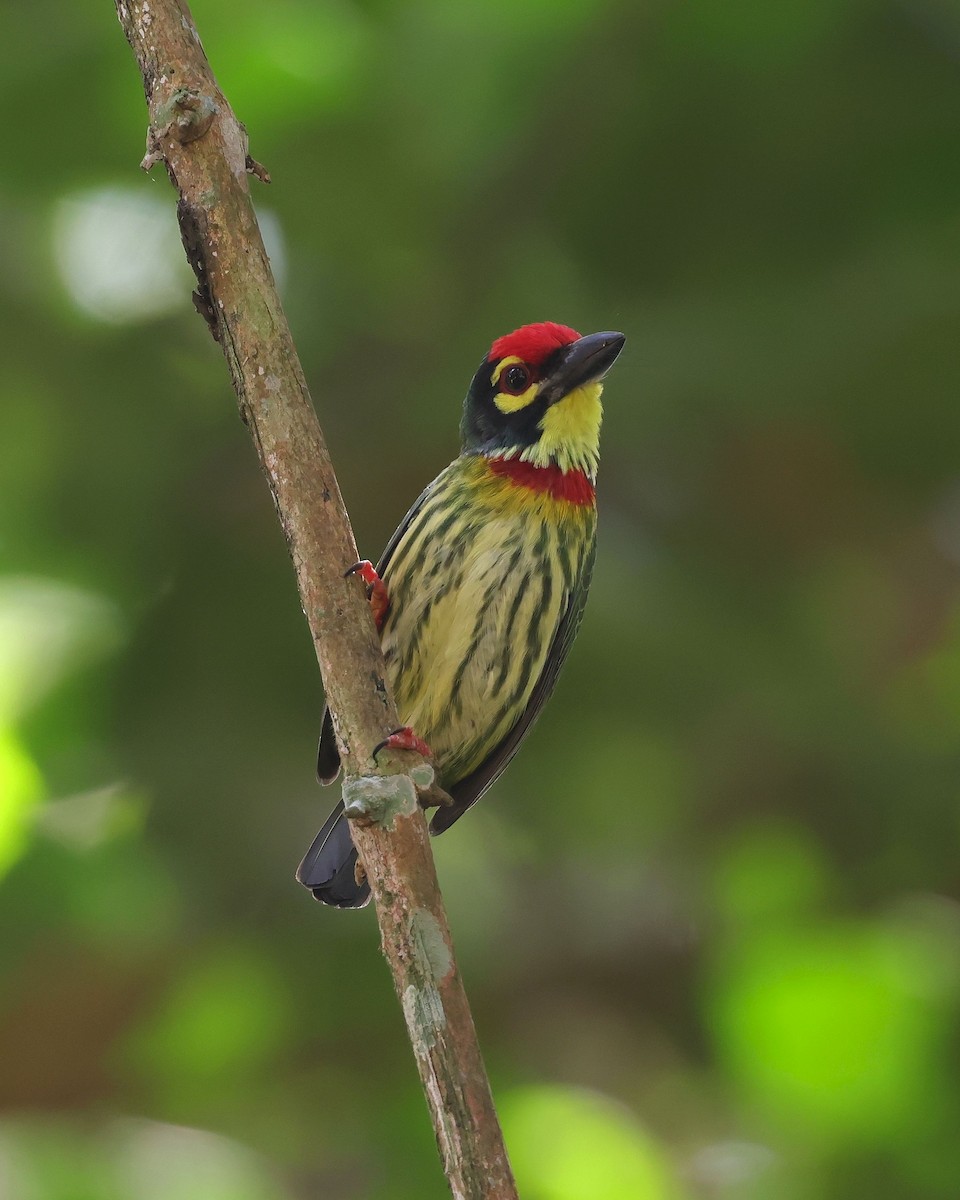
(583, 361)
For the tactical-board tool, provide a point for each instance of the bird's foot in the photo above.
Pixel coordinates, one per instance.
(404, 739)
(376, 589)
(429, 792)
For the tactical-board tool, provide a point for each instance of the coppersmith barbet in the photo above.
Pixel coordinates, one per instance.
(479, 593)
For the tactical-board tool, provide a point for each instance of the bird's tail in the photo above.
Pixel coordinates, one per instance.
(329, 868)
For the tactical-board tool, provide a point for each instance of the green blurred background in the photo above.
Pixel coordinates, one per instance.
(709, 919)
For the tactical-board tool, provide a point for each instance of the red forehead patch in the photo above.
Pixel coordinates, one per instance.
(533, 343)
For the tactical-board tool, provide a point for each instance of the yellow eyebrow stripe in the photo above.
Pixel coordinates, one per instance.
(502, 366)
(506, 402)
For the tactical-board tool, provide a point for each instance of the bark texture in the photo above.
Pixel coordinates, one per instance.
(194, 132)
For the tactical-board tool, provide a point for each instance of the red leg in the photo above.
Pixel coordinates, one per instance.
(404, 739)
(377, 593)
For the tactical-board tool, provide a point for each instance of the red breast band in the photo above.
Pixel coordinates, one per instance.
(574, 486)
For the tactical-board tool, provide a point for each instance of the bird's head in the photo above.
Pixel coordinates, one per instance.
(536, 397)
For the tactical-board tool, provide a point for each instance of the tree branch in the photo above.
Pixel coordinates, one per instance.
(204, 147)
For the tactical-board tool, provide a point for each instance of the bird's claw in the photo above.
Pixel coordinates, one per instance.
(429, 792)
(365, 569)
(376, 589)
(404, 739)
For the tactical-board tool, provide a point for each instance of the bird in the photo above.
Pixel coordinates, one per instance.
(479, 594)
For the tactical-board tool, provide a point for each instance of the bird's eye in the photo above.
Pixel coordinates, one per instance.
(516, 380)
